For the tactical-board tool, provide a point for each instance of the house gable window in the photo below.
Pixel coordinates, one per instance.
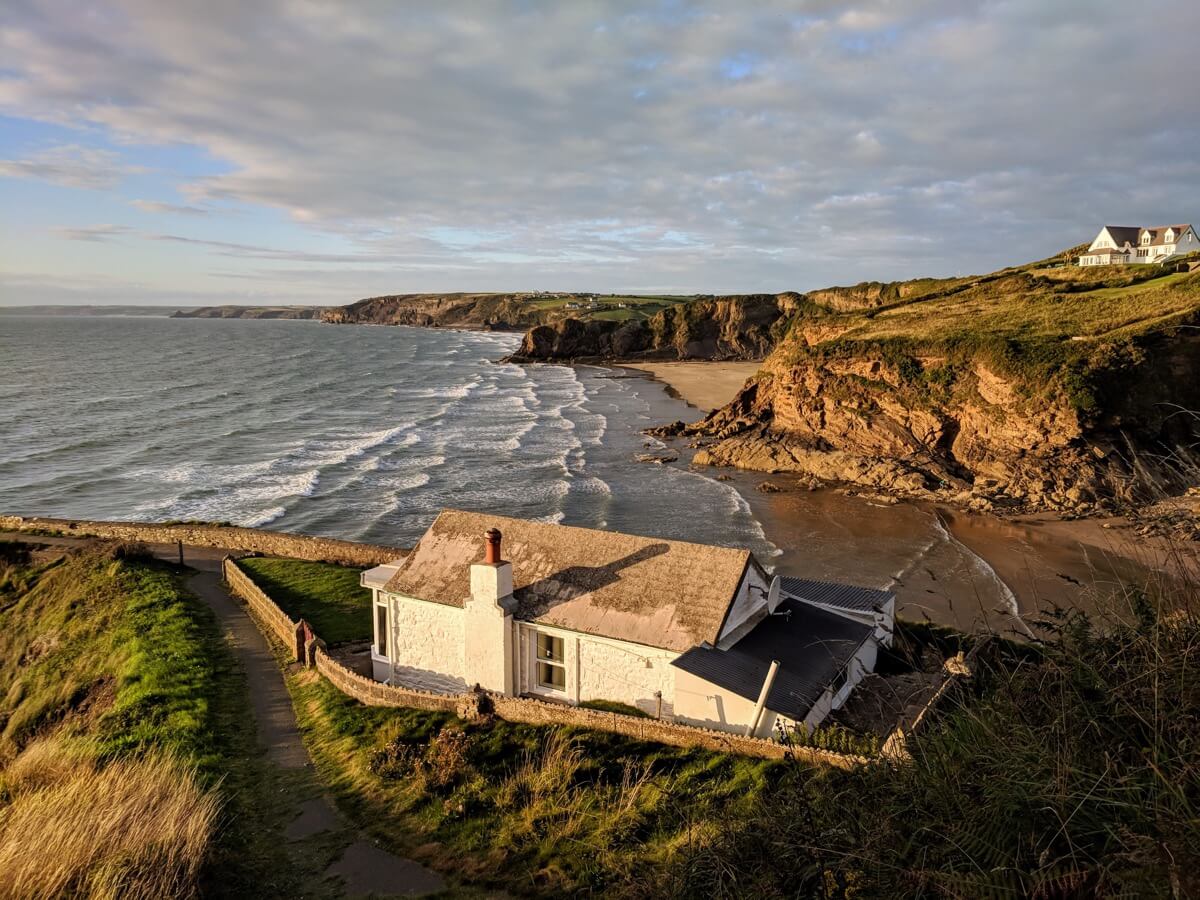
(551, 663)
(1146, 238)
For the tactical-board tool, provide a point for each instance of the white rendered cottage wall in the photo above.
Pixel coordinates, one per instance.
(426, 646)
(628, 673)
(751, 598)
(600, 669)
(700, 702)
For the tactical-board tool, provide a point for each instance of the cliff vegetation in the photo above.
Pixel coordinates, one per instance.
(127, 756)
(1040, 386)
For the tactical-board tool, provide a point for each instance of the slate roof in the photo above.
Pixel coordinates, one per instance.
(843, 596)
(668, 594)
(1158, 233)
(811, 644)
(1123, 233)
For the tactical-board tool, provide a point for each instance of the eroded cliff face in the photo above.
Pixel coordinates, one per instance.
(493, 311)
(964, 433)
(721, 328)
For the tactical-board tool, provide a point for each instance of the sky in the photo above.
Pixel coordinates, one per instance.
(294, 151)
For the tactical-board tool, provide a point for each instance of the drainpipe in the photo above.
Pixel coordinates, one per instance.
(762, 698)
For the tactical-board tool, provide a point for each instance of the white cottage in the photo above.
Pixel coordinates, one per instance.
(1122, 244)
(693, 633)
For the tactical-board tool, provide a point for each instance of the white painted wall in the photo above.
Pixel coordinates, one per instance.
(487, 629)
(426, 646)
(600, 669)
(750, 599)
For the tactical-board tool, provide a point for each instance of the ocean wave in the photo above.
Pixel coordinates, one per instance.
(589, 484)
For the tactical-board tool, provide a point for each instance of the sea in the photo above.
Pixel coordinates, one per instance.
(357, 432)
(367, 432)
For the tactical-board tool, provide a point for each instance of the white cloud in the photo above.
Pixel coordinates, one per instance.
(93, 233)
(71, 165)
(159, 206)
(720, 145)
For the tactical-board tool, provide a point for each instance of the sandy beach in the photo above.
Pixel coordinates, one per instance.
(705, 385)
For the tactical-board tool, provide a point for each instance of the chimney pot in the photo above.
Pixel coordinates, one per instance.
(492, 554)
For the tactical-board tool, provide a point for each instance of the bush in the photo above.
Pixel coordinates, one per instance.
(440, 764)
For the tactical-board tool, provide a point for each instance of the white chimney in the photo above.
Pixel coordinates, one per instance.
(487, 621)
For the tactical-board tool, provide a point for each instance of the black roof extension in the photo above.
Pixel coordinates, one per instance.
(811, 644)
(843, 596)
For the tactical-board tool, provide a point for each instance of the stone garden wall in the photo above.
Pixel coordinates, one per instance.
(200, 534)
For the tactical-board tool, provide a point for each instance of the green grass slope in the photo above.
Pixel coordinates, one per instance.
(1054, 328)
(329, 597)
(128, 763)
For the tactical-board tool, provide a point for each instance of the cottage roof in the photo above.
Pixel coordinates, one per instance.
(842, 596)
(1159, 232)
(669, 594)
(1123, 233)
(811, 645)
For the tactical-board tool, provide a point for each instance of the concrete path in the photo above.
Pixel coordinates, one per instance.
(365, 870)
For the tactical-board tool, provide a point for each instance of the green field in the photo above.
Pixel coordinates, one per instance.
(329, 597)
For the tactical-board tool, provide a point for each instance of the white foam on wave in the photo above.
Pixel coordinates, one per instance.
(588, 484)
(983, 567)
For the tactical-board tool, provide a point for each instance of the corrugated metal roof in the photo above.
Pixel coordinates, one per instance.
(844, 596)
(812, 646)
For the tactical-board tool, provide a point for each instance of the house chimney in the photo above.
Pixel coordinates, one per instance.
(487, 621)
(492, 553)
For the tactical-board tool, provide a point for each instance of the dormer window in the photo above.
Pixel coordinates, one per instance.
(1169, 237)
(1146, 238)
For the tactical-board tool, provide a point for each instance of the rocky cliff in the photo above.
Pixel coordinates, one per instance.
(1034, 388)
(249, 312)
(491, 311)
(735, 327)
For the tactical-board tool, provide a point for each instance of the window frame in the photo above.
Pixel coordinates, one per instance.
(559, 663)
(382, 621)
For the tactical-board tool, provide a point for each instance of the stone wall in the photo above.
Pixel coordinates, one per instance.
(276, 624)
(228, 537)
(267, 615)
(955, 671)
(375, 693)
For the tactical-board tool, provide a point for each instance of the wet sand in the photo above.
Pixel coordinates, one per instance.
(705, 385)
(968, 571)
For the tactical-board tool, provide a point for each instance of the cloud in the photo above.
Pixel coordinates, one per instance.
(676, 146)
(71, 165)
(94, 233)
(159, 206)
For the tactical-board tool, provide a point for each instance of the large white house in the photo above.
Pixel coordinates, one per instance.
(1121, 244)
(694, 633)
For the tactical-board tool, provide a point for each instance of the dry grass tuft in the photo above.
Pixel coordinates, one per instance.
(137, 828)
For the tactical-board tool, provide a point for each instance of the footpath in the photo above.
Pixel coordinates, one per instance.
(363, 868)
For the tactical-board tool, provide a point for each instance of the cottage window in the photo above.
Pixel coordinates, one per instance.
(551, 668)
(381, 630)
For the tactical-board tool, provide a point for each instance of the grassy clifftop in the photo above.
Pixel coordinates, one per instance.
(1050, 327)
(126, 746)
(1045, 385)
